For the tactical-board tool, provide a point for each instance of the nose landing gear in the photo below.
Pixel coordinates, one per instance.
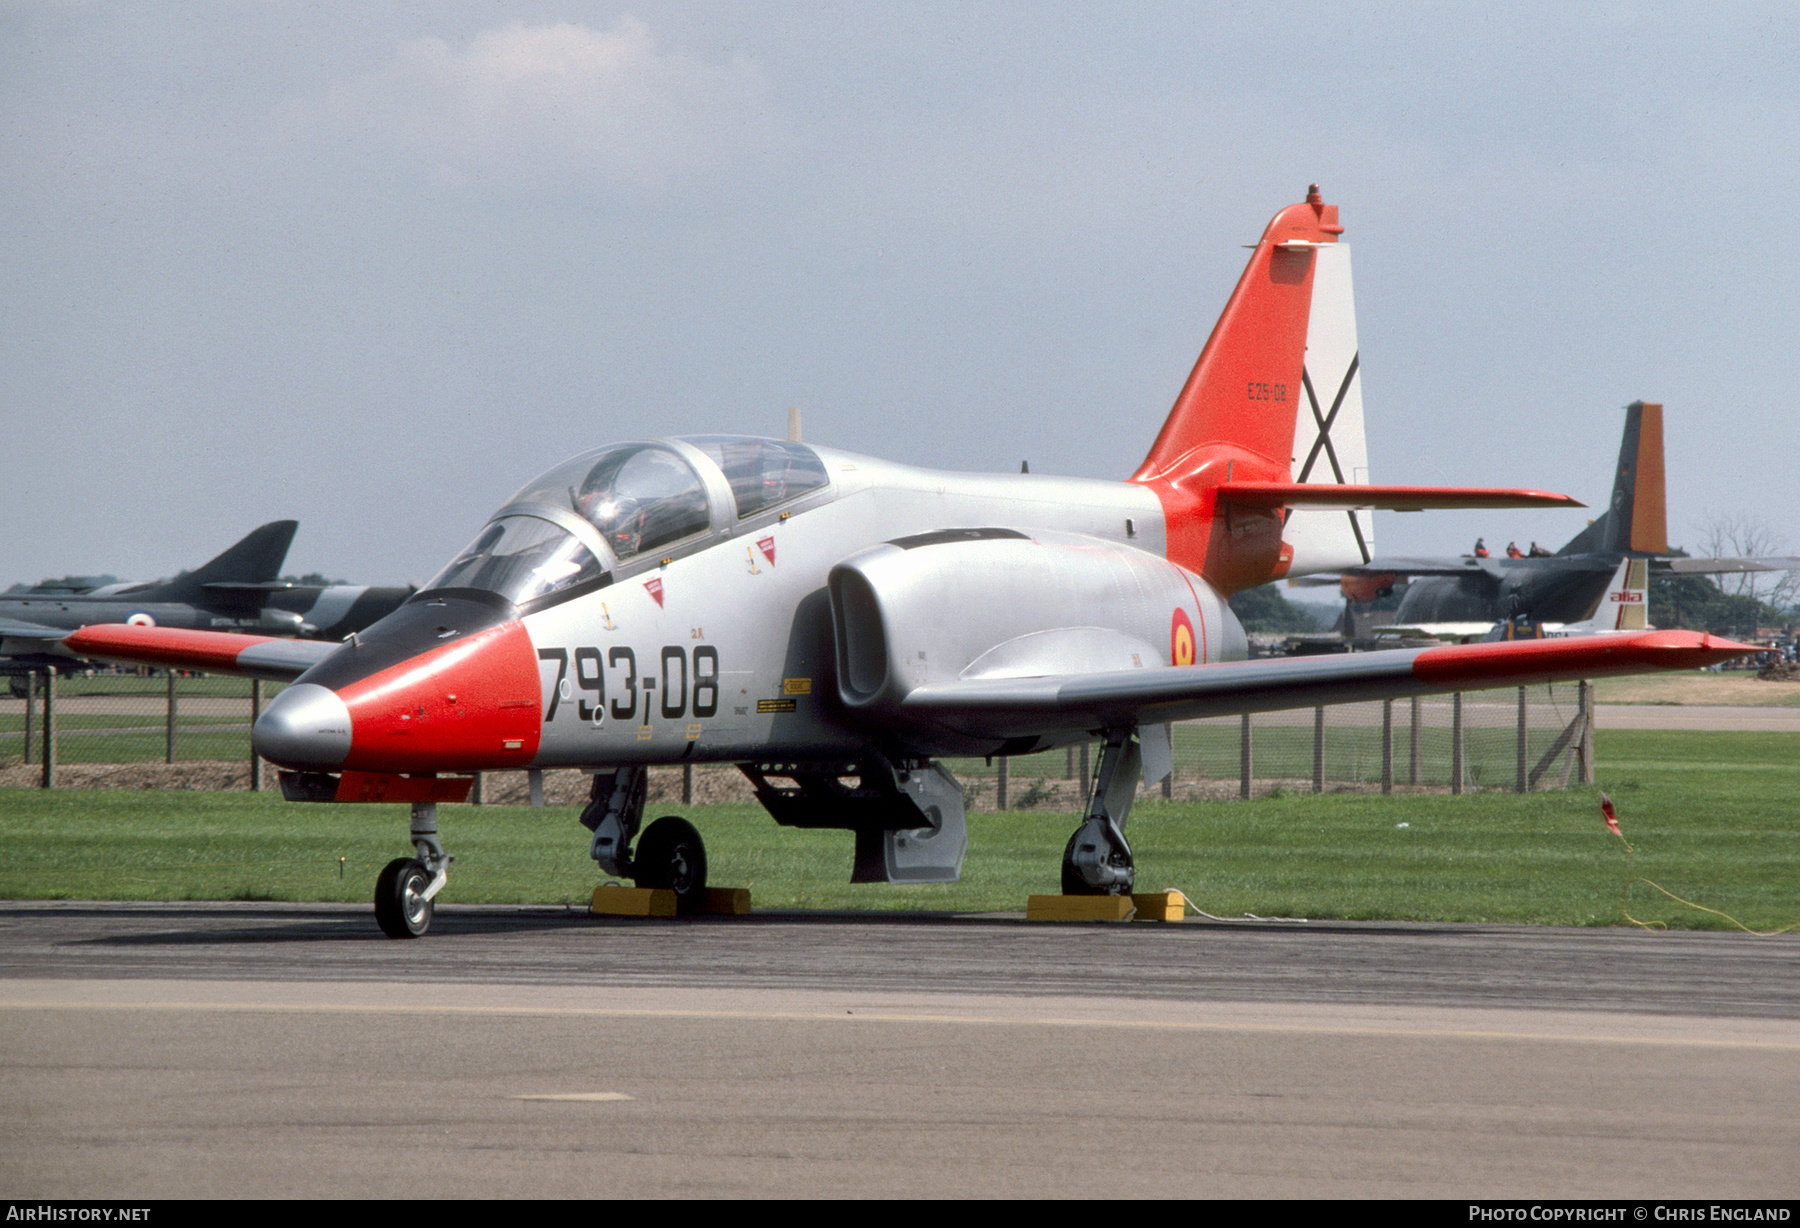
(407, 885)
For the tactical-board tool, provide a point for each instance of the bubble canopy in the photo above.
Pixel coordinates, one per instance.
(639, 497)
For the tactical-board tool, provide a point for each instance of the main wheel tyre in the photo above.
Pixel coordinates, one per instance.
(670, 854)
(401, 909)
(1072, 881)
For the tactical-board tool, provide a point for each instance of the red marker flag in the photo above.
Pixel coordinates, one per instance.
(1612, 820)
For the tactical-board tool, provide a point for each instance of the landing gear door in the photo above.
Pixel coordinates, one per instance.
(934, 853)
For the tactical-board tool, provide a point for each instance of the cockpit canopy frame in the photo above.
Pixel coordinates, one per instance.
(623, 508)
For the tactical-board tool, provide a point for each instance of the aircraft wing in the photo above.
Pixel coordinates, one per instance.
(1016, 707)
(216, 652)
(23, 640)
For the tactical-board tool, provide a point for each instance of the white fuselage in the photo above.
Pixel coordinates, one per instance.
(725, 649)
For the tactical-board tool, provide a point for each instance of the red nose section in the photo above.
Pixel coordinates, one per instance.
(467, 706)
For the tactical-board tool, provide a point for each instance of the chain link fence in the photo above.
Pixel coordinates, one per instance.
(133, 730)
(130, 729)
(1521, 739)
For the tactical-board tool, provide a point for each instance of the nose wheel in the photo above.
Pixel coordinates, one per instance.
(402, 909)
(405, 889)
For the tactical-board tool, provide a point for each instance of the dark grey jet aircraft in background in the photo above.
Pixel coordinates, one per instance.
(237, 591)
(1598, 581)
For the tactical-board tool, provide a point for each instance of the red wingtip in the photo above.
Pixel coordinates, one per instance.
(1583, 656)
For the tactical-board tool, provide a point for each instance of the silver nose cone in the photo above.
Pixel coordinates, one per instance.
(305, 727)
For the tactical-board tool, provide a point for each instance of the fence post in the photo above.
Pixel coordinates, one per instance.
(169, 754)
(50, 728)
(1244, 758)
(1412, 773)
(1585, 702)
(1387, 746)
(1000, 784)
(256, 698)
(30, 713)
(1521, 783)
(1456, 743)
(1319, 749)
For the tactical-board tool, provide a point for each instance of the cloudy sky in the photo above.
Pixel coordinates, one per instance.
(374, 266)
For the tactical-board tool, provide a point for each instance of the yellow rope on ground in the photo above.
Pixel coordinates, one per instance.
(1631, 877)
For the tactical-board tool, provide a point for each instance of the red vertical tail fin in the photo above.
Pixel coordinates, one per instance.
(1234, 419)
(1243, 389)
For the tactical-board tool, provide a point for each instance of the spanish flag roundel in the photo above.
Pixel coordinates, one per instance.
(1181, 639)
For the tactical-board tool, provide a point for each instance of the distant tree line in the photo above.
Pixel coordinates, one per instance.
(1264, 611)
(63, 584)
(1698, 604)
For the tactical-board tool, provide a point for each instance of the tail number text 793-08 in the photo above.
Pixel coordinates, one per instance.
(686, 680)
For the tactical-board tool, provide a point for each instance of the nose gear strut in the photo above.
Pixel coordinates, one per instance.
(407, 885)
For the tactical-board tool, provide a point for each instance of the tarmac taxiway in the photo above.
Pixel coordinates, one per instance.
(288, 1050)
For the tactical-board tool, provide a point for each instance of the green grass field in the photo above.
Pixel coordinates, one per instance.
(1714, 817)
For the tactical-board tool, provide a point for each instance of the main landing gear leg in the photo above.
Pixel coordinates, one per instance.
(1097, 860)
(670, 855)
(407, 885)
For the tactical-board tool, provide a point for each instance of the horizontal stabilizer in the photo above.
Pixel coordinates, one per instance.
(1392, 498)
(215, 652)
(1019, 707)
(1719, 567)
(10, 630)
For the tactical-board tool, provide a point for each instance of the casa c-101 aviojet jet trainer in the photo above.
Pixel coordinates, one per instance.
(834, 624)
